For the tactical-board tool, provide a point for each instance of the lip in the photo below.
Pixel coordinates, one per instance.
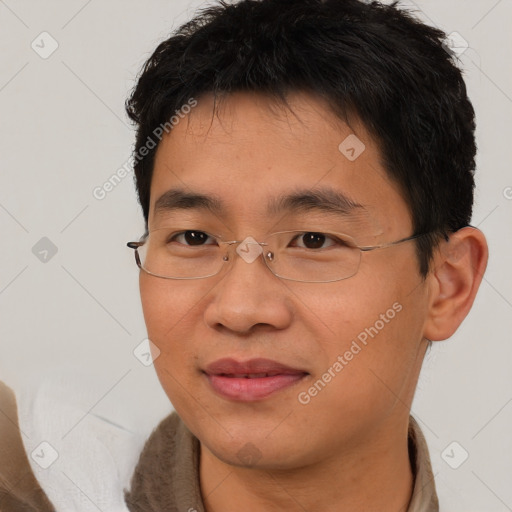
(251, 380)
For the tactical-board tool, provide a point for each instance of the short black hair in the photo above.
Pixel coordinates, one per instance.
(376, 62)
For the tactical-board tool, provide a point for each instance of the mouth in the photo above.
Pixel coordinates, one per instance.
(251, 380)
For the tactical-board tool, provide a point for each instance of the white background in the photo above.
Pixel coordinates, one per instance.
(63, 132)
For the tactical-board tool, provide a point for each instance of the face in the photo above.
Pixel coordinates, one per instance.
(341, 358)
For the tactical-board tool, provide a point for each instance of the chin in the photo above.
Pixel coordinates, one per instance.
(255, 453)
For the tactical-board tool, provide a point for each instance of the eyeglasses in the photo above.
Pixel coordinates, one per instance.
(305, 256)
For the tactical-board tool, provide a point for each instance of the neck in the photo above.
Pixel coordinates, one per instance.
(375, 475)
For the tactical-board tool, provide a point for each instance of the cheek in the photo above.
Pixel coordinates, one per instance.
(375, 328)
(170, 313)
(165, 304)
(347, 309)
(169, 309)
(156, 304)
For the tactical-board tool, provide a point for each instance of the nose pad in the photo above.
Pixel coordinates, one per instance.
(249, 249)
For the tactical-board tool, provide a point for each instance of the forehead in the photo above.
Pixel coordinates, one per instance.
(250, 151)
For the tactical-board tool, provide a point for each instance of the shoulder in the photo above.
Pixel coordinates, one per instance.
(19, 489)
(159, 452)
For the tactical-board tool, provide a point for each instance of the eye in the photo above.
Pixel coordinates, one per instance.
(192, 238)
(312, 240)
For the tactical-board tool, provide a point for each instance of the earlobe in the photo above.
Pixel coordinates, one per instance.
(456, 274)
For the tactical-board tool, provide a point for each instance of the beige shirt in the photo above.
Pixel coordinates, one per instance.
(166, 478)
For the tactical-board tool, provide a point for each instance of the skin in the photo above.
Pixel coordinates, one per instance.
(347, 448)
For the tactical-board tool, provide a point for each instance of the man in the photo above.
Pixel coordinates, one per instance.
(305, 170)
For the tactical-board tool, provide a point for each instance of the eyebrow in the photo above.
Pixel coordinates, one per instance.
(324, 199)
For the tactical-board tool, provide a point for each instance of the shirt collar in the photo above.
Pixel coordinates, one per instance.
(424, 496)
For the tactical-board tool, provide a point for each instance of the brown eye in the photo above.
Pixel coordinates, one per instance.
(313, 240)
(317, 240)
(192, 238)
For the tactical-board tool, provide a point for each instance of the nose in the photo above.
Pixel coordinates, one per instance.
(248, 296)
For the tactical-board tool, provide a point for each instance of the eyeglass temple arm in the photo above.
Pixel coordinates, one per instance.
(390, 244)
(134, 245)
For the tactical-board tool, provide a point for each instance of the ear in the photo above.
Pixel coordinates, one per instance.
(457, 271)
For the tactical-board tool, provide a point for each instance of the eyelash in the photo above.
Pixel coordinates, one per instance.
(174, 236)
